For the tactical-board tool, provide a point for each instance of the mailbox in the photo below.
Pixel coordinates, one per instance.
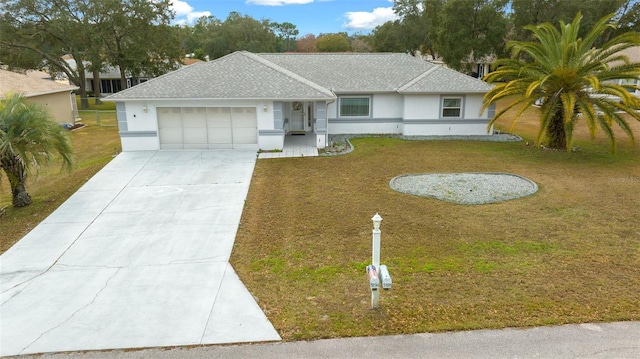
(372, 274)
(385, 277)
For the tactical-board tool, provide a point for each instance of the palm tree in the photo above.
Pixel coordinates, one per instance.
(28, 139)
(571, 78)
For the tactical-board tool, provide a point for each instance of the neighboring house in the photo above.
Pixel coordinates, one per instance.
(246, 100)
(633, 54)
(55, 97)
(110, 76)
(477, 68)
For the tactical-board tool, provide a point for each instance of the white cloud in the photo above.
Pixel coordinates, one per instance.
(181, 8)
(184, 12)
(196, 15)
(362, 20)
(278, 2)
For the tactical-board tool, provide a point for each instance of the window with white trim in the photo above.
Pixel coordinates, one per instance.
(353, 106)
(451, 107)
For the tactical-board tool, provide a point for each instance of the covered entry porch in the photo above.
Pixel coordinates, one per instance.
(297, 144)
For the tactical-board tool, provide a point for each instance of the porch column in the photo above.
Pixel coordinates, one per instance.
(321, 124)
(278, 118)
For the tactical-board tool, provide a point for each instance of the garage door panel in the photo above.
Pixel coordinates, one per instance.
(219, 127)
(219, 135)
(170, 123)
(245, 136)
(170, 127)
(171, 136)
(195, 138)
(244, 122)
(218, 117)
(194, 121)
(244, 125)
(210, 127)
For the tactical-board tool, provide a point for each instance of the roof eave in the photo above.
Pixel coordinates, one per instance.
(42, 93)
(113, 99)
(405, 92)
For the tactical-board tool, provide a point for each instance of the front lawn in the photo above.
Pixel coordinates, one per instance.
(569, 253)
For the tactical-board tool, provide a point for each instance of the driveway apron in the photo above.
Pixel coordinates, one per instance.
(138, 257)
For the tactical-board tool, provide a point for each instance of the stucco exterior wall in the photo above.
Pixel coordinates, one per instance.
(423, 116)
(413, 115)
(386, 117)
(421, 107)
(473, 106)
(139, 128)
(58, 104)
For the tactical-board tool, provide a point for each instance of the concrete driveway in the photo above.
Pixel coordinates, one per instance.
(138, 257)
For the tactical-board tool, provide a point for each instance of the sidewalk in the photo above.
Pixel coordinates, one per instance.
(596, 340)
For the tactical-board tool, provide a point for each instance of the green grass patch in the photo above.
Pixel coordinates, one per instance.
(96, 104)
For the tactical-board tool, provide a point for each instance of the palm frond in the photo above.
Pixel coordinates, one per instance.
(574, 79)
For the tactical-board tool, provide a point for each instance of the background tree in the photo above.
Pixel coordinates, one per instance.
(40, 33)
(389, 37)
(205, 35)
(419, 25)
(137, 37)
(307, 43)
(333, 43)
(481, 36)
(628, 17)
(360, 42)
(29, 137)
(132, 34)
(534, 12)
(574, 79)
(286, 34)
(237, 33)
(459, 31)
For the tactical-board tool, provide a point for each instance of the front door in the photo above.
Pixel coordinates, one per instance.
(297, 117)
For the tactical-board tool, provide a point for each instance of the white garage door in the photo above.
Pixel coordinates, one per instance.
(207, 127)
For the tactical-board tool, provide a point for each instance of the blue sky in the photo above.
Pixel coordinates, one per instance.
(309, 16)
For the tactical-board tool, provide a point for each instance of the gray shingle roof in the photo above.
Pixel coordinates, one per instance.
(239, 75)
(354, 72)
(242, 75)
(443, 80)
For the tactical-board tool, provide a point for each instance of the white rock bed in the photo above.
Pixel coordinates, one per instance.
(465, 188)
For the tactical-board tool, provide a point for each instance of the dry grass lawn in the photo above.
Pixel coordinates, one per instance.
(567, 254)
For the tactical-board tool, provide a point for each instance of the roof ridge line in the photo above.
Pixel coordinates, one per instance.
(167, 74)
(286, 72)
(418, 78)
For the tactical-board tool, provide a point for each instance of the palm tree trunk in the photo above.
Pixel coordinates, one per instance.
(556, 134)
(17, 175)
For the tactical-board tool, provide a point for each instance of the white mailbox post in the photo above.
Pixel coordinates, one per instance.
(377, 272)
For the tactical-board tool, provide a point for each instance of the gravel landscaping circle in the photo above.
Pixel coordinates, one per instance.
(465, 188)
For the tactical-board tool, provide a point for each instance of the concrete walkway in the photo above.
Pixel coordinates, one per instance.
(138, 257)
(589, 341)
(295, 146)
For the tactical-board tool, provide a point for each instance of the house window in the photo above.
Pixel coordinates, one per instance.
(492, 110)
(110, 85)
(629, 82)
(452, 107)
(355, 106)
